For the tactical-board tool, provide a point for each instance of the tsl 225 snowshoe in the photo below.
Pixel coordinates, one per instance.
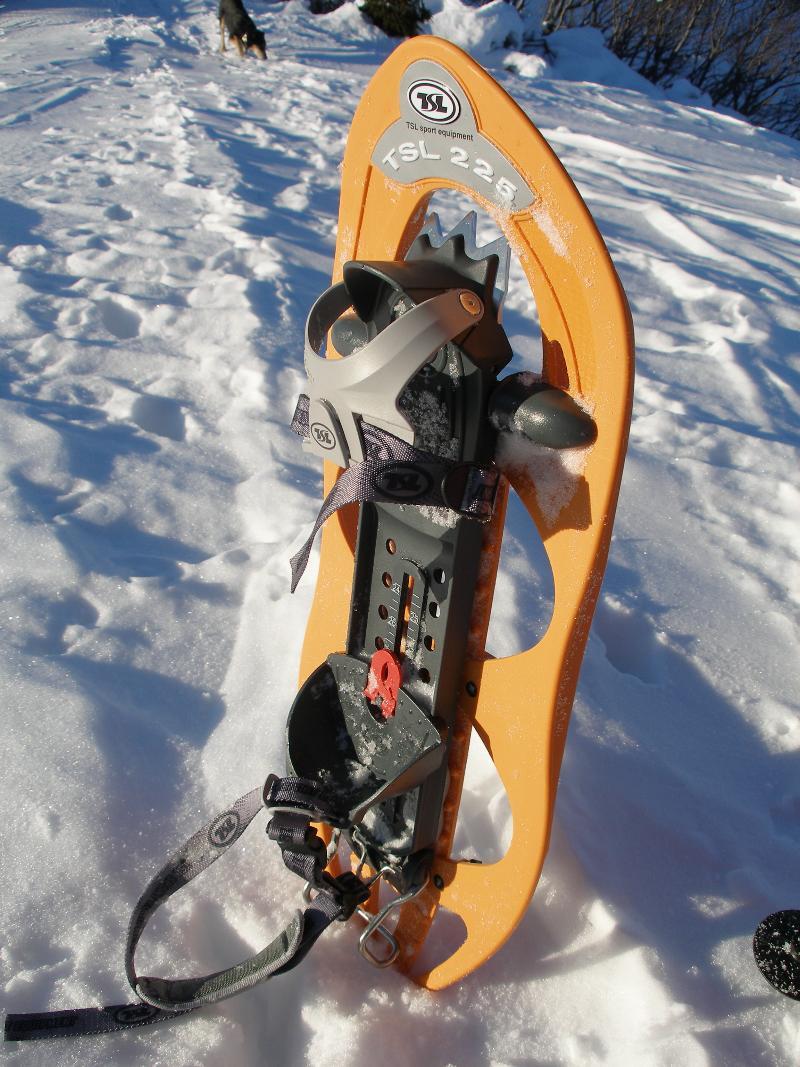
(409, 591)
(422, 435)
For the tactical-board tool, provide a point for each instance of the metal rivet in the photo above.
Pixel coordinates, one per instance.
(470, 302)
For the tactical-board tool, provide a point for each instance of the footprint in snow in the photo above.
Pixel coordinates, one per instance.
(60, 623)
(122, 322)
(118, 213)
(779, 725)
(159, 415)
(630, 642)
(67, 503)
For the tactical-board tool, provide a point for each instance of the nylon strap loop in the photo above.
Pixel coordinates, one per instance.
(166, 998)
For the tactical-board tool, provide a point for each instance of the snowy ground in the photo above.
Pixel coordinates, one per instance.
(167, 216)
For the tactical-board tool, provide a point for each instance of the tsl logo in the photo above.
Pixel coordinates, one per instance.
(434, 101)
(224, 829)
(403, 482)
(323, 436)
(135, 1014)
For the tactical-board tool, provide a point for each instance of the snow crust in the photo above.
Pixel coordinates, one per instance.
(167, 217)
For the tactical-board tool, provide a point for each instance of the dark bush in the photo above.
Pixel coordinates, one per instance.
(744, 53)
(398, 18)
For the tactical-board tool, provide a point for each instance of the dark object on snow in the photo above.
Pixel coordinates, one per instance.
(397, 18)
(776, 947)
(242, 31)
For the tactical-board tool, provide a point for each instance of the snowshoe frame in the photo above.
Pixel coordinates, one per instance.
(520, 705)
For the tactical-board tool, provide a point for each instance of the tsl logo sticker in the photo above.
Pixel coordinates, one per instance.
(433, 101)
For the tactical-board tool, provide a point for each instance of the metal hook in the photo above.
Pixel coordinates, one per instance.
(375, 927)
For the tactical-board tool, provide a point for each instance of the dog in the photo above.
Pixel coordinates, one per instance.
(241, 29)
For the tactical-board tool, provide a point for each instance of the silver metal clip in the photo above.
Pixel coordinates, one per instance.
(375, 927)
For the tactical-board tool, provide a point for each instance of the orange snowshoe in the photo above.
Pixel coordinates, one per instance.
(433, 119)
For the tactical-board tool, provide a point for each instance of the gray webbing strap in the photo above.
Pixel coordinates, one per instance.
(162, 999)
(398, 473)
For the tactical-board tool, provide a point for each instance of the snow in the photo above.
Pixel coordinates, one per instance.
(167, 217)
(477, 30)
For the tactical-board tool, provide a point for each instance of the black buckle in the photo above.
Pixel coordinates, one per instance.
(348, 891)
(471, 490)
(293, 831)
(302, 797)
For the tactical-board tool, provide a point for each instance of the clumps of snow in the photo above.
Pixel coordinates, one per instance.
(683, 92)
(421, 691)
(350, 23)
(476, 30)
(443, 517)
(429, 417)
(355, 692)
(353, 775)
(779, 727)
(293, 198)
(525, 64)
(390, 833)
(555, 473)
(549, 227)
(26, 256)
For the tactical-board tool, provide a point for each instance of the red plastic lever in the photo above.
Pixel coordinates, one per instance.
(384, 681)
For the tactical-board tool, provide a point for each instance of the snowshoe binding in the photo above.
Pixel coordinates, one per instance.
(408, 409)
